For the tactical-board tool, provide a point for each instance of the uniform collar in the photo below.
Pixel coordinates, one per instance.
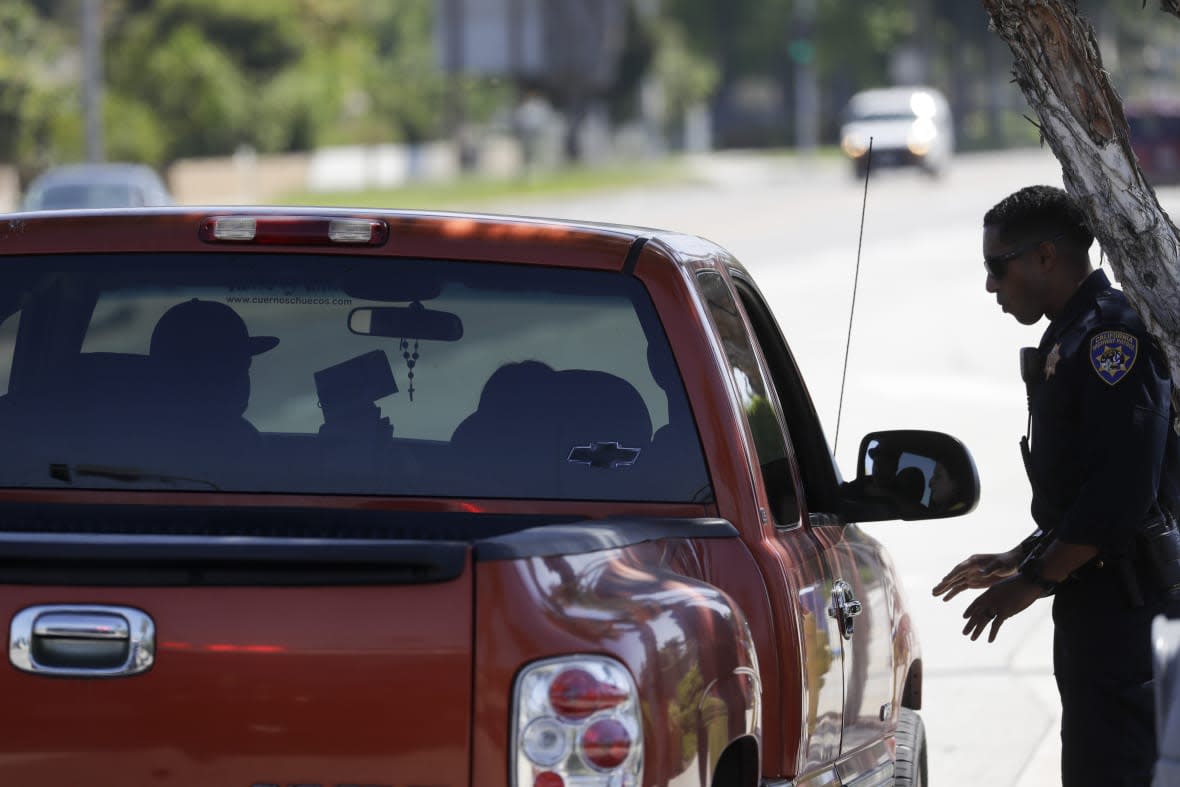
(1078, 304)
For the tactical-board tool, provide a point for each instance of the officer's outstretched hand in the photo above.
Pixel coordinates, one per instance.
(978, 571)
(998, 603)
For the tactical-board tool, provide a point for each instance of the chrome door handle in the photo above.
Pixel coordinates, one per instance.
(844, 607)
(82, 641)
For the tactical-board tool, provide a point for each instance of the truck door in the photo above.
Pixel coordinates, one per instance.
(857, 600)
(808, 645)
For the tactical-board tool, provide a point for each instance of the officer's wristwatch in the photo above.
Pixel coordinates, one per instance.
(1030, 570)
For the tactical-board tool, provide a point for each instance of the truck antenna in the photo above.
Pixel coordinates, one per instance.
(856, 279)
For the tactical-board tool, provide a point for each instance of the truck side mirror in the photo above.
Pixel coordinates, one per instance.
(911, 474)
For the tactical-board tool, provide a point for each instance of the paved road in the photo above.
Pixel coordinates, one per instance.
(929, 348)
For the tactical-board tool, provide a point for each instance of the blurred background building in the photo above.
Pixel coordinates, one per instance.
(294, 92)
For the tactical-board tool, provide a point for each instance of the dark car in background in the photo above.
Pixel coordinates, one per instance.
(1154, 126)
(108, 185)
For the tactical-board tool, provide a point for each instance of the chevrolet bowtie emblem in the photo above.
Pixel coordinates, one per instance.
(608, 456)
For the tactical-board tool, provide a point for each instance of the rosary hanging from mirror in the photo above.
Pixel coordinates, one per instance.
(411, 359)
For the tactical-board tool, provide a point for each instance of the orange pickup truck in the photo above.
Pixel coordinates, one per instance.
(392, 499)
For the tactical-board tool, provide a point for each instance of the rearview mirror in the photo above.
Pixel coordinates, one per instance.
(406, 322)
(911, 474)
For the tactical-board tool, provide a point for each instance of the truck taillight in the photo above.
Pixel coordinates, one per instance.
(294, 230)
(576, 694)
(577, 724)
(606, 744)
(548, 779)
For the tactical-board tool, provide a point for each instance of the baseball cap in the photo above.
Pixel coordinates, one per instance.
(196, 329)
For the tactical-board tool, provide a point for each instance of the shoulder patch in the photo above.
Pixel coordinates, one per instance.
(1112, 354)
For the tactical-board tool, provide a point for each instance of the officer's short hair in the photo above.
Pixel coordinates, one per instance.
(1040, 210)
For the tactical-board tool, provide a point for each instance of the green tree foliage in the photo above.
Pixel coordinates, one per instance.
(276, 75)
(687, 78)
(200, 95)
(206, 77)
(29, 96)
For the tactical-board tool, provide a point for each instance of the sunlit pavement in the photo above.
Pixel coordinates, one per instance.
(929, 349)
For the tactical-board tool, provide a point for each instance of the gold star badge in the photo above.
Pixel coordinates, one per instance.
(1051, 361)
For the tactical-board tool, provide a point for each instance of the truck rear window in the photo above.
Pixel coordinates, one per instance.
(339, 375)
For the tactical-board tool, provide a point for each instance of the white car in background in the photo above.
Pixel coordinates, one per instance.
(907, 126)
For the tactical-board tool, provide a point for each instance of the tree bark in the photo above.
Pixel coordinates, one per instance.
(1059, 69)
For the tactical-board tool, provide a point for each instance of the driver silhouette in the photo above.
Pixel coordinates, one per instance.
(201, 354)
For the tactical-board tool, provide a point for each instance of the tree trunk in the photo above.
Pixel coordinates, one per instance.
(1059, 69)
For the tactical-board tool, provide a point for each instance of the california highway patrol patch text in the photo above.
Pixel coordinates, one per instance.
(1112, 354)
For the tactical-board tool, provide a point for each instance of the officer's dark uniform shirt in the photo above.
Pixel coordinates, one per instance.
(1099, 420)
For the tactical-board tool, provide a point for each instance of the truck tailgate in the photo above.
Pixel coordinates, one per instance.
(329, 685)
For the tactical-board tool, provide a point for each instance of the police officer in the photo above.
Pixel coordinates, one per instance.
(1099, 409)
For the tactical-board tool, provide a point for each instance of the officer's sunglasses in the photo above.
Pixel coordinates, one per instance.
(997, 266)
